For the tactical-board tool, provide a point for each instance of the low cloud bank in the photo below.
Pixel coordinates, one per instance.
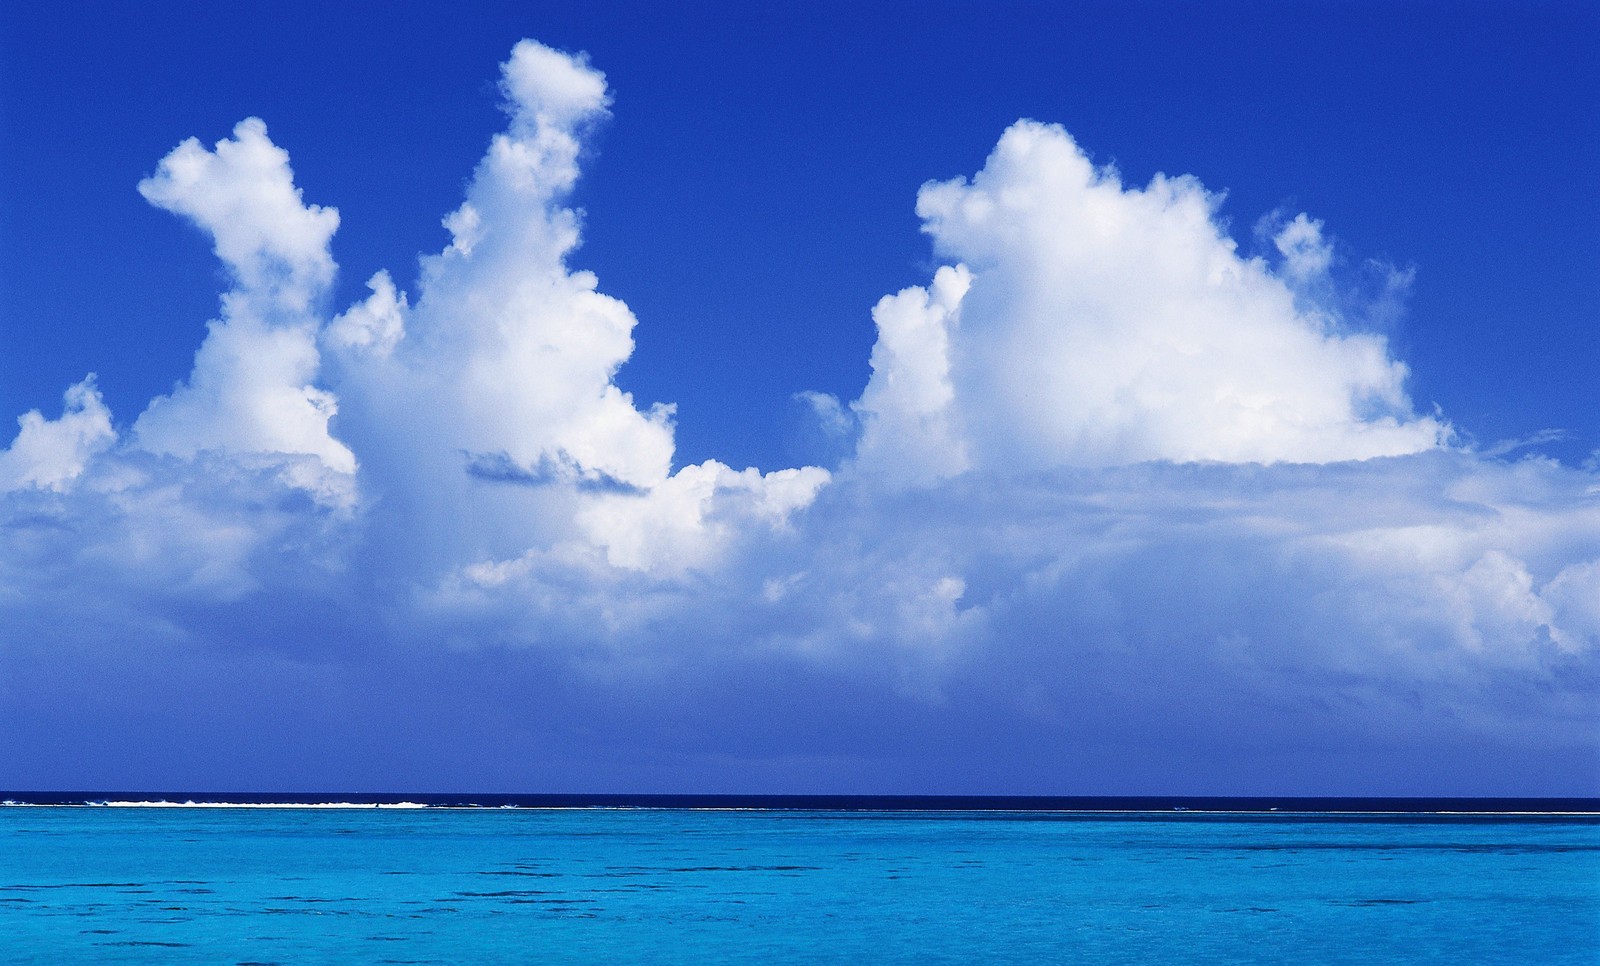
(1123, 502)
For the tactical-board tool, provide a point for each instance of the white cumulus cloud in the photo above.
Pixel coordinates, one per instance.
(51, 453)
(492, 400)
(254, 387)
(1103, 324)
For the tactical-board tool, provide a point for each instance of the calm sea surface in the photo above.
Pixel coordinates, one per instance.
(254, 885)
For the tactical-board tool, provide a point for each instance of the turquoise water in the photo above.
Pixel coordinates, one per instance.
(523, 886)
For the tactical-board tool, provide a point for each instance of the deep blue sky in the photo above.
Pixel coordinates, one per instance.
(1117, 512)
(752, 196)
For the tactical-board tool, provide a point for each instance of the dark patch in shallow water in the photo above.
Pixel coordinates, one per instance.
(748, 868)
(1377, 902)
(74, 885)
(1521, 848)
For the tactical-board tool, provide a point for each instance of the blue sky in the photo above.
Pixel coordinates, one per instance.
(1233, 429)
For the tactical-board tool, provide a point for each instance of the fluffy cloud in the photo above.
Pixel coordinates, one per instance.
(243, 195)
(1122, 502)
(1105, 325)
(506, 353)
(51, 453)
(253, 389)
(491, 401)
(908, 429)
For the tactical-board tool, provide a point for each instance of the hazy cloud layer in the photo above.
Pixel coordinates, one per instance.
(1124, 506)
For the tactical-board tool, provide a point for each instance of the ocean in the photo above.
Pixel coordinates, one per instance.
(767, 880)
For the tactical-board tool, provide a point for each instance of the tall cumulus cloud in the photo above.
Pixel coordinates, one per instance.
(1125, 505)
